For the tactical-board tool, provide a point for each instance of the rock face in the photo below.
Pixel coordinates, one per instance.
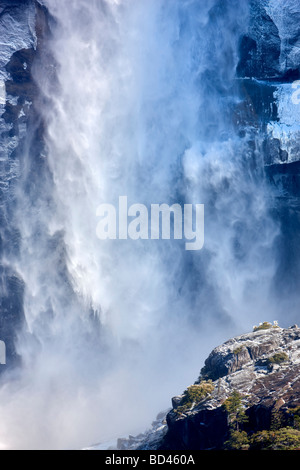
(269, 68)
(270, 49)
(22, 27)
(269, 73)
(263, 367)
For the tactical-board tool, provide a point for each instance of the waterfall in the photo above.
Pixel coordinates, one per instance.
(138, 98)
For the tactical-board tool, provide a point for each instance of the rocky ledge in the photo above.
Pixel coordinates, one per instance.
(263, 368)
(261, 372)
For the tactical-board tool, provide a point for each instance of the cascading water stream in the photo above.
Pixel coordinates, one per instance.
(139, 103)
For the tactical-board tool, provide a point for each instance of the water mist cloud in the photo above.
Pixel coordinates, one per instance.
(140, 106)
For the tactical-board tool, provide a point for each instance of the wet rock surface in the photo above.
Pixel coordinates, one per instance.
(269, 70)
(22, 27)
(268, 74)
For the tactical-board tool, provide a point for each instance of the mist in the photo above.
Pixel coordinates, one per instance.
(137, 101)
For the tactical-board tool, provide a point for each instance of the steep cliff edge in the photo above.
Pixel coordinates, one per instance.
(263, 369)
(247, 397)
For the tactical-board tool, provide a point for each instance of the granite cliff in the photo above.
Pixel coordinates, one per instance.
(262, 370)
(263, 367)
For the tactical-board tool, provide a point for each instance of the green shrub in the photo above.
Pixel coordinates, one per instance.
(278, 358)
(235, 410)
(238, 350)
(238, 441)
(194, 395)
(284, 439)
(265, 326)
(277, 420)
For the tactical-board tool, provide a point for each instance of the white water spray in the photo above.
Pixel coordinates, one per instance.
(139, 105)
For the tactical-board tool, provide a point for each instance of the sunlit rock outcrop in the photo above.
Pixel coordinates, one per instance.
(262, 367)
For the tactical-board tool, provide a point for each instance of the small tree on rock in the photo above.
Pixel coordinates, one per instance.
(235, 410)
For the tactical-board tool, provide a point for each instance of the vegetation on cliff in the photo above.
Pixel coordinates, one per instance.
(194, 395)
(266, 326)
(246, 398)
(279, 437)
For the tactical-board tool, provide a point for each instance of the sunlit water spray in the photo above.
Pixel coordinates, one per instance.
(139, 105)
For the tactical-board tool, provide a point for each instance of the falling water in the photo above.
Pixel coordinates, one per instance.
(137, 100)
